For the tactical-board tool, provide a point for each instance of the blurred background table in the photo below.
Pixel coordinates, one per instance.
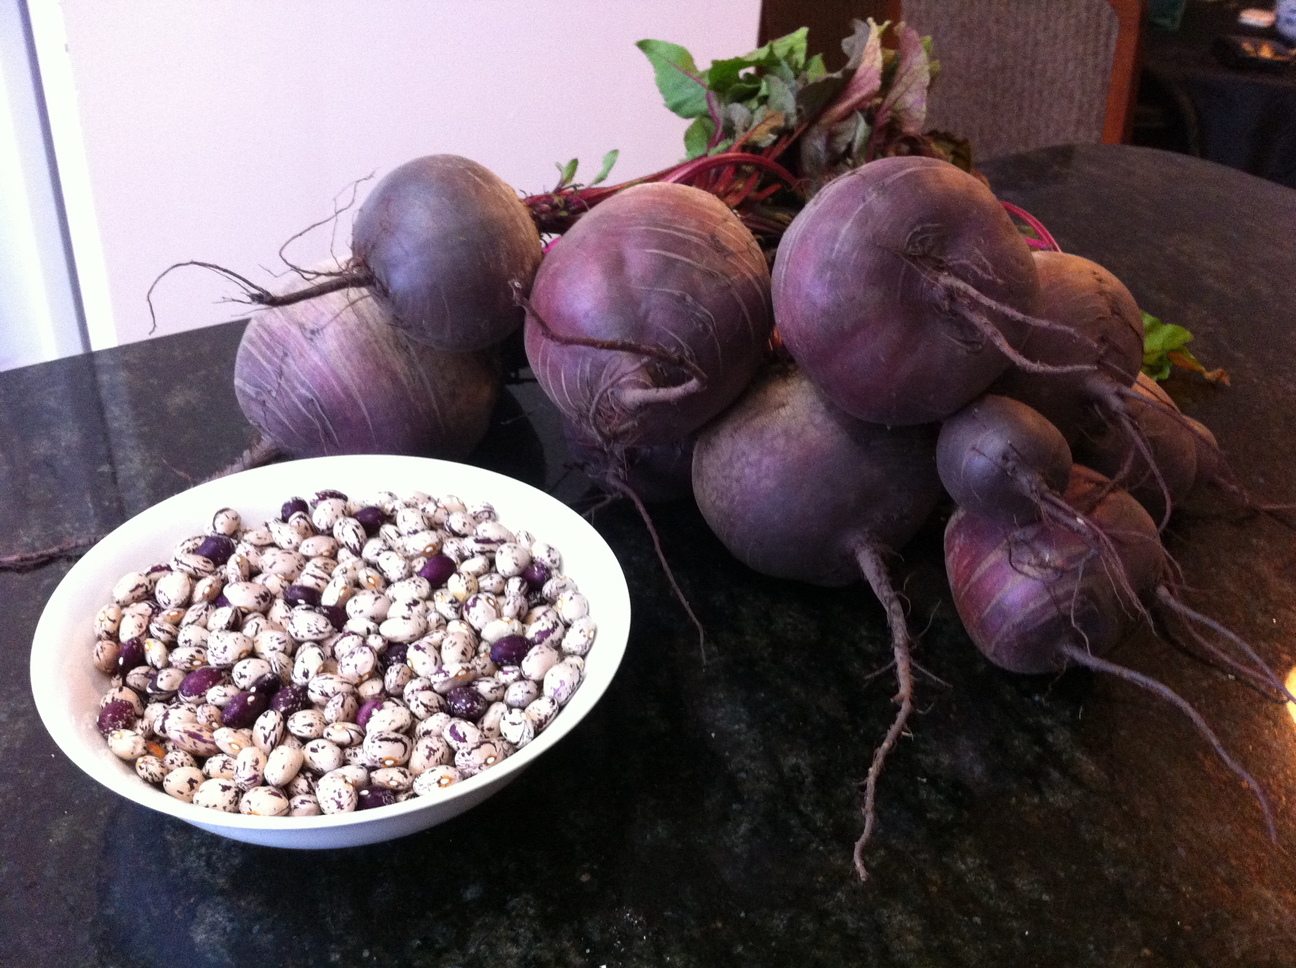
(703, 814)
(1191, 101)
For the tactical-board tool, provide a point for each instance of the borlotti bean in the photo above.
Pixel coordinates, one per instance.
(344, 656)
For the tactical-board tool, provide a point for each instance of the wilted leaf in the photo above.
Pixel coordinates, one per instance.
(906, 101)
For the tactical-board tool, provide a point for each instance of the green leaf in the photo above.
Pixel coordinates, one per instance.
(608, 161)
(791, 48)
(1159, 337)
(697, 138)
(678, 78)
(1159, 341)
(566, 173)
(722, 75)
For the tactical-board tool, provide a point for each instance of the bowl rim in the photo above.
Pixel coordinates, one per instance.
(602, 571)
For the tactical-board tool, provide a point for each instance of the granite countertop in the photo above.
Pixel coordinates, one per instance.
(704, 813)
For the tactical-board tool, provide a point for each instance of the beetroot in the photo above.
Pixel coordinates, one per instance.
(332, 375)
(1097, 403)
(796, 488)
(1040, 598)
(1099, 330)
(901, 287)
(1028, 595)
(446, 241)
(1001, 458)
(649, 316)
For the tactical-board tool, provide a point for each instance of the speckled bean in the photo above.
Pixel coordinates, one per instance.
(282, 764)
(217, 794)
(436, 778)
(183, 782)
(263, 801)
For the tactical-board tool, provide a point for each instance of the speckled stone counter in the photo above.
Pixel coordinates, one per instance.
(704, 813)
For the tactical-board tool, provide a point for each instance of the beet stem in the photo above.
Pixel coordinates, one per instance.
(1045, 236)
(875, 573)
(1084, 658)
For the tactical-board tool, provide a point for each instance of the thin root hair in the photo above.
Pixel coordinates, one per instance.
(1083, 658)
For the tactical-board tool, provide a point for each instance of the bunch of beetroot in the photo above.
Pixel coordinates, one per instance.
(908, 352)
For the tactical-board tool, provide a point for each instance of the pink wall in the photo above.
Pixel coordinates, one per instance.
(215, 131)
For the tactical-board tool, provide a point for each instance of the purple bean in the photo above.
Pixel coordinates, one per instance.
(371, 518)
(375, 796)
(242, 711)
(292, 506)
(509, 650)
(301, 595)
(131, 655)
(465, 702)
(268, 685)
(336, 615)
(396, 654)
(199, 681)
(217, 548)
(116, 714)
(290, 699)
(536, 574)
(438, 569)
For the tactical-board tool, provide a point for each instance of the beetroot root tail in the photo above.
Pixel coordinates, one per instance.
(259, 453)
(1083, 658)
(875, 573)
(31, 560)
(627, 491)
(1257, 672)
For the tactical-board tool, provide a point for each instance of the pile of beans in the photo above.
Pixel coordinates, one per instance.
(344, 656)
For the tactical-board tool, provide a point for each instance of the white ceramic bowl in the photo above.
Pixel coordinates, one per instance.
(67, 687)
